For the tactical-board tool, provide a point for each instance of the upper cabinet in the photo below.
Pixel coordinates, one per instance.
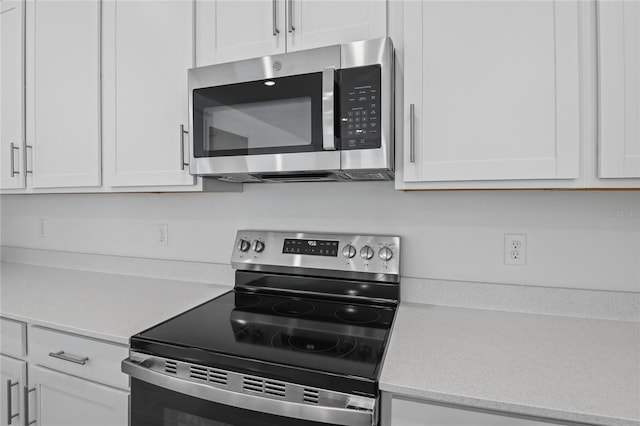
(148, 48)
(619, 84)
(63, 93)
(313, 24)
(231, 30)
(12, 94)
(491, 94)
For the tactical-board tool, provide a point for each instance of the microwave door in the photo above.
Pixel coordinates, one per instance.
(270, 125)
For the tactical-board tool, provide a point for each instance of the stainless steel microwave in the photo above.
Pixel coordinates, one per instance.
(311, 115)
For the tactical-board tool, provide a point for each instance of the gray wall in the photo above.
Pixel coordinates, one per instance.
(581, 239)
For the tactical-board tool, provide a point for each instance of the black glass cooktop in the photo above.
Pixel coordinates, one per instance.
(279, 336)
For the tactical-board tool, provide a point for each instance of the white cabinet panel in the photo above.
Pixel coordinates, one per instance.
(231, 30)
(413, 413)
(62, 400)
(494, 89)
(314, 23)
(148, 49)
(63, 116)
(14, 338)
(102, 358)
(619, 66)
(12, 94)
(15, 372)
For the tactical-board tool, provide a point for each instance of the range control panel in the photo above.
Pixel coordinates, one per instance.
(340, 255)
(360, 107)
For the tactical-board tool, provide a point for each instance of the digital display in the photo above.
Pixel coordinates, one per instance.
(311, 247)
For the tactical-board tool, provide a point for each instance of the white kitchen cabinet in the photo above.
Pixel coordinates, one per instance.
(619, 89)
(230, 30)
(405, 412)
(491, 94)
(62, 400)
(148, 48)
(313, 24)
(12, 94)
(13, 378)
(63, 93)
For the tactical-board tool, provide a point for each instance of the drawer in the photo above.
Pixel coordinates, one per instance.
(14, 338)
(79, 356)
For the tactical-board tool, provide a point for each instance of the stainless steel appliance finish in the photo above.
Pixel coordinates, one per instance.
(331, 162)
(253, 392)
(299, 341)
(367, 257)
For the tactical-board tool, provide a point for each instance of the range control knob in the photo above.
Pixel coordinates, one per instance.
(385, 253)
(258, 246)
(366, 252)
(349, 251)
(243, 245)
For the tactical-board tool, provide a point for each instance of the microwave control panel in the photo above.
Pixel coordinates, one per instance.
(360, 107)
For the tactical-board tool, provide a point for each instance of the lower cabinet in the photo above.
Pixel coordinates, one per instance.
(60, 399)
(63, 379)
(13, 378)
(407, 412)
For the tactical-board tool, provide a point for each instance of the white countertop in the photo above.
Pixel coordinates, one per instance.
(575, 369)
(104, 306)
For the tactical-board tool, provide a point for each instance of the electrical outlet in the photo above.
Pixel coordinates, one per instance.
(515, 249)
(163, 234)
(42, 228)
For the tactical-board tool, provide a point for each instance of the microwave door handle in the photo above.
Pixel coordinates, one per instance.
(328, 109)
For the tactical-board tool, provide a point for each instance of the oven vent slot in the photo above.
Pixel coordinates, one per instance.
(217, 376)
(171, 367)
(252, 384)
(267, 387)
(274, 388)
(198, 373)
(311, 396)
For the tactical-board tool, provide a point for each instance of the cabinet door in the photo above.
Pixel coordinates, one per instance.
(62, 400)
(148, 50)
(619, 60)
(316, 23)
(63, 88)
(12, 94)
(231, 30)
(494, 91)
(13, 378)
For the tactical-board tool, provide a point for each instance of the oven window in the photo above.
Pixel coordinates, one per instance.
(274, 116)
(156, 406)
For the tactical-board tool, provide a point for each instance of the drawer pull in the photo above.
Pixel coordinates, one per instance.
(9, 407)
(77, 360)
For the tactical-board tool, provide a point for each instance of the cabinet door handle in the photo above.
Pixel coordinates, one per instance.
(76, 360)
(13, 159)
(9, 407)
(27, 171)
(291, 27)
(27, 391)
(274, 6)
(412, 133)
(182, 133)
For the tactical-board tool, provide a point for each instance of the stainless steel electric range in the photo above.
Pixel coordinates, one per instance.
(299, 340)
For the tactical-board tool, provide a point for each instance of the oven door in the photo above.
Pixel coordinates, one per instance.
(267, 115)
(161, 399)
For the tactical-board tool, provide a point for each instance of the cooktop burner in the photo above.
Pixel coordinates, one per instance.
(294, 307)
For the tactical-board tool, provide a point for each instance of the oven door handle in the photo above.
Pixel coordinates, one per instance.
(355, 416)
(328, 109)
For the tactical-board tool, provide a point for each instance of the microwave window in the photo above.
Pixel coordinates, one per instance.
(255, 125)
